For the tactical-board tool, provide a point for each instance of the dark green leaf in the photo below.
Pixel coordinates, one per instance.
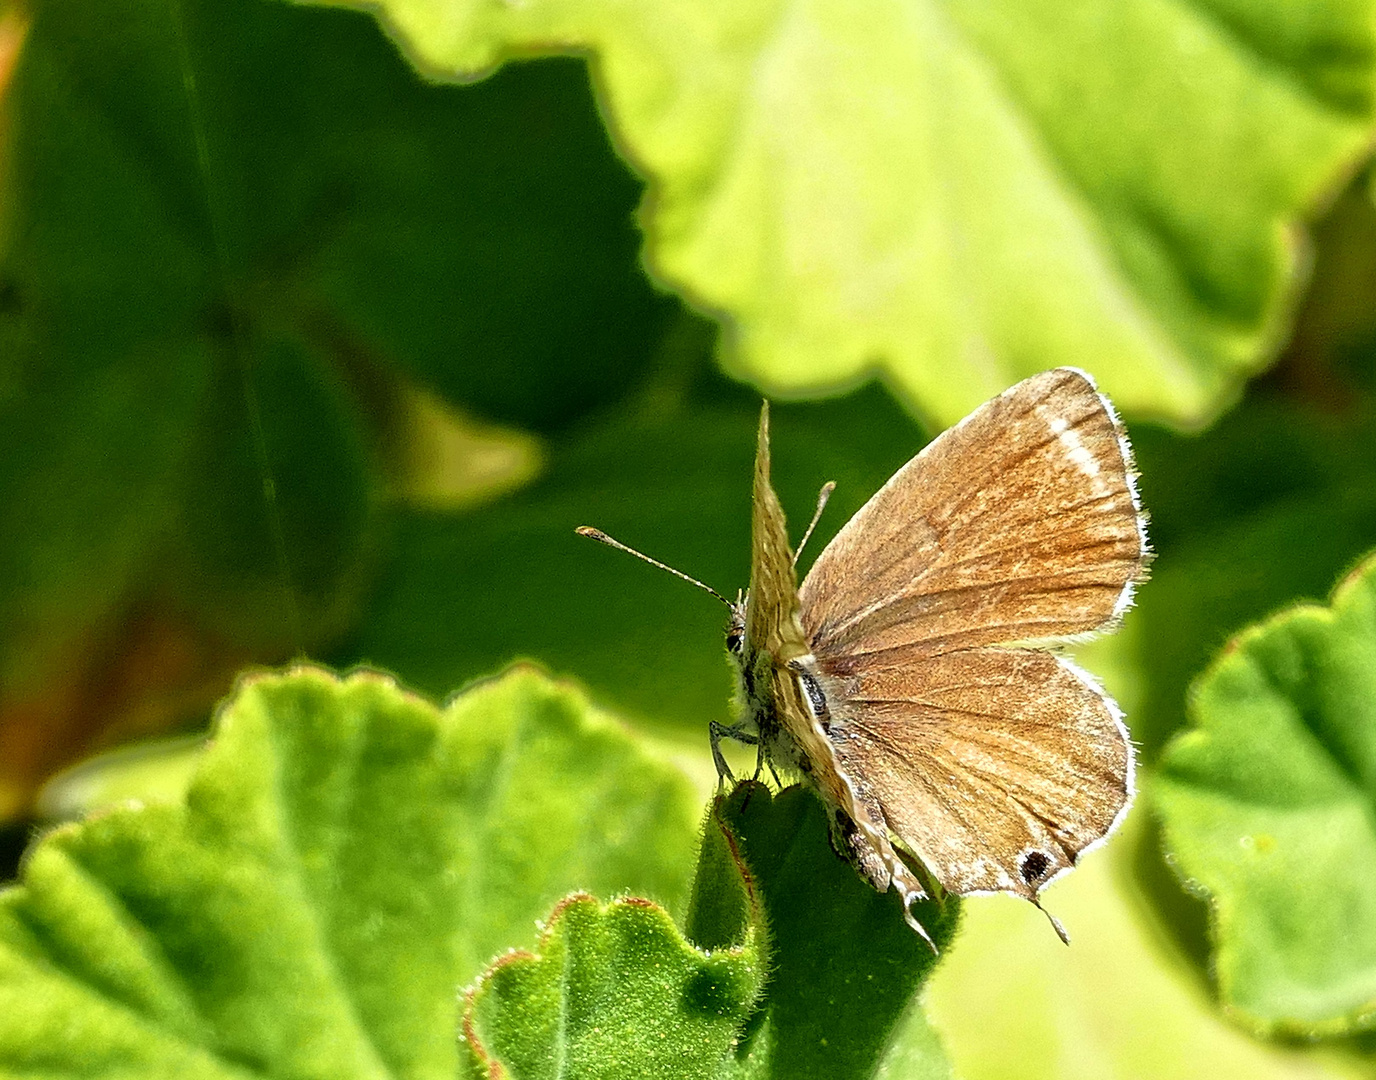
(845, 968)
(239, 164)
(1271, 504)
(237, 232)
(89, 473)
(277, 519)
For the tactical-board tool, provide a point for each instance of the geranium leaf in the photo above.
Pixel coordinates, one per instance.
(615, 992)
(959, 194)
(1269, 808)
(346, 858)
(845, 967)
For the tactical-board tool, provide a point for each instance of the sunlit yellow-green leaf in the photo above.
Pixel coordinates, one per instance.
(1012, 1003)
(957, 194)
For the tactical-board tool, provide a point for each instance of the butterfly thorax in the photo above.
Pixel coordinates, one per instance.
(753, 700)
(779, 695)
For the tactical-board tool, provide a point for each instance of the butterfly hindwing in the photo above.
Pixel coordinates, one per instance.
(997, 767)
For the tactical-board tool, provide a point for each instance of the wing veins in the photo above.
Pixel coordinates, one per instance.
(1010, 461)
(990, 780)
(927, 644)
(1030, 760)
(908, 591)
(835, 631)
(934, 790)
(987, 553)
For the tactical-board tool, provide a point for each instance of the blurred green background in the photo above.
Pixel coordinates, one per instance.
(304, 355)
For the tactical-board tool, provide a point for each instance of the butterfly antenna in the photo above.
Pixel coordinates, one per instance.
(822, 497)
(600, 536)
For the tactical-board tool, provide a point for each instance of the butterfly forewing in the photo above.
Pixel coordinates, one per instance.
(1019, 524)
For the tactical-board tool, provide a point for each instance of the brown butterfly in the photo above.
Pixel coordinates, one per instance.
(910, 679)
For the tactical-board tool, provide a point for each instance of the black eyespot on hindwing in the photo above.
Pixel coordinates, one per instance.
(1034, 865)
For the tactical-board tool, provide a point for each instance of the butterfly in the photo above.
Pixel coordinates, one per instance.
(913, 679)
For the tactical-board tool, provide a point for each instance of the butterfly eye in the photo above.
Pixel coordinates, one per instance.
(734, 640)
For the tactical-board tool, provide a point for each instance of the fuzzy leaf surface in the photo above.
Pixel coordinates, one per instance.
(346, 858)
(614, 992)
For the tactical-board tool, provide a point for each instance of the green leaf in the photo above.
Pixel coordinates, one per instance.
(845, 967)
(139, 547)
(233, 254)
(961, 194)
(158, 770)
(85, 491)
(1012, 1003)
(615, 992)
(273, 564)
(916, 1051)
(618, 992)
(346, 857)
(246, 165)
(1286, 490)
(1269, 807)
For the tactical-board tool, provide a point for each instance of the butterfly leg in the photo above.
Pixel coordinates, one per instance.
(716, 732)
(762, 759)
